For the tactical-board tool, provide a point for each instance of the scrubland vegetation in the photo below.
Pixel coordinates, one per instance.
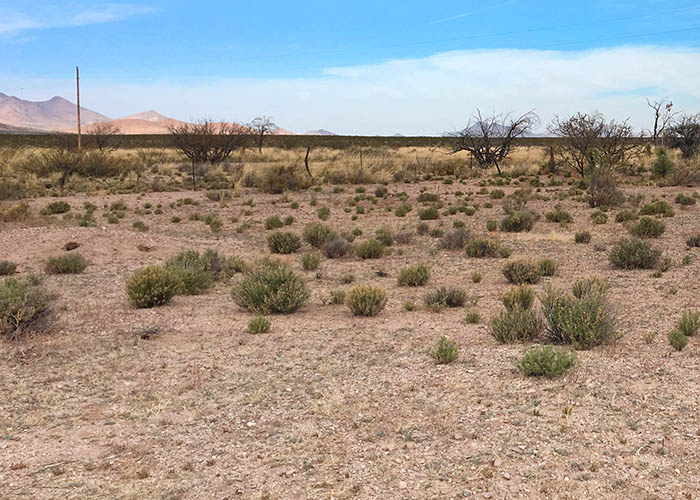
(530, 333)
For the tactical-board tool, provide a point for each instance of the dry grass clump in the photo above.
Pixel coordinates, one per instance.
(370, 249)
(259, 325)
(445, 297)
(416, 275)
(73, 263)
(455, 240)
(271, 287)
(335, 247)
(522, 271)
(518, 221)
(55, 207)
(152, 286)
(659, 208)
(283, 242)
(689, 323)
(316, 234)
(480, 247)
(25, 306)
(7, 268)
(677, 339)
(366, 300)
(310, 261)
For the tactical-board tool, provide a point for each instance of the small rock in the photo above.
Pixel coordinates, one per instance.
(71, 245)
(403, 485)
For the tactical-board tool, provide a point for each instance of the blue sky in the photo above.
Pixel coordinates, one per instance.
(355, 67)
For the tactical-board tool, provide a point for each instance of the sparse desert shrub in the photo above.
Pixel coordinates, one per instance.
(548, 267)
(283, 242)
(323, 213)
(648, 227)
(73, 263)
(365, 300)
(445, 351)
(403, 209)
(192, 272)
(559, 215)
(491, 225)
(428, 198)
(422, 228)
(515, 325)
(522, 271)
(583, 322)
(403, 237)
(273, 222)
(603, 189)
(316, 234)
(634, 253)
(271, 287)
(455, 240)
(445, 297)
(625, 215)
(684, 199)
(518, 221)
(496, 194)
(663, 164)
(521, 296)
(472, 317)
(55, 207)
(259, 325)
(151, 286)
(13, 213)
(25, 306)
(335, 247)
(7, 268)
(479, 247)
(582, 237)
(233, 265)
(409, 306)
(384, 236)
(677, 340)
(693, 241)
(476, 277)
(689, 323)
(430, 213)
(657, 208)
(545, 361)
(599, 217)
(585, 286)
(276, 179)
(370, 249)
(310, 261)
(416, 275)
(139, 226)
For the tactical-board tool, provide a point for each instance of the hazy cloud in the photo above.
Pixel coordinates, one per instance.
(472, 12)
(415, 96)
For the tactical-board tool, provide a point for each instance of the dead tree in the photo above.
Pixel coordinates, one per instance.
(663, 116)
(107, 136)
(491, 139)
(589, 141)
(260, 127)
(207, 141)
(684, 134)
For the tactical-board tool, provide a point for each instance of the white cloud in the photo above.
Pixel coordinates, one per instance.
(415, 96)
(48, 16)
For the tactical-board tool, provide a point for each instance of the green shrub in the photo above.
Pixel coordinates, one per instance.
(273, 222)
(634, 253)
(657, 208)
(73, 263)
(259, 325)
(677, 340)
(504, 252)
(428, 198)
(192, 272)
(151, 286)
(522, 271)
(491, 225)
(403, 209)
(583, 322)
(370, 249)
(430, 213)
(598, 217)
(663, 164)
(496, 194)
(482, 247)
(55, 207)
(416, 275)
(455, 240)
(559, 215)
(515, 325)
(476, 277)
(521, 296)
(7, 267)
(544, 361)
(648, 227)
(693, 241)
(139, 226)
(365, 300)
(283, 242)
(625, 215)
(518, 221)
(684, 200)
(310, 261)
(585, 286)
(337, 297)
(582, 237)
(271, 287)
(384, 236)
(324, 213)
(548, 267)
(445, 351)
(689, 323)
(234, 265)
(472, 317)
(445, 297)
(316, 234)
(25, 306)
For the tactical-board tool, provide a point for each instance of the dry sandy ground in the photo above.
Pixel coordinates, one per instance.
(327, 405)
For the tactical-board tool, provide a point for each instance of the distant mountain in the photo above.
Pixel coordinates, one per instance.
(55, 114)
(149, 116)
(319, 132)
(147, 123)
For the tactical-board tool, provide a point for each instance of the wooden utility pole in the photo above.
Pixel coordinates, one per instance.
(77, 91)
